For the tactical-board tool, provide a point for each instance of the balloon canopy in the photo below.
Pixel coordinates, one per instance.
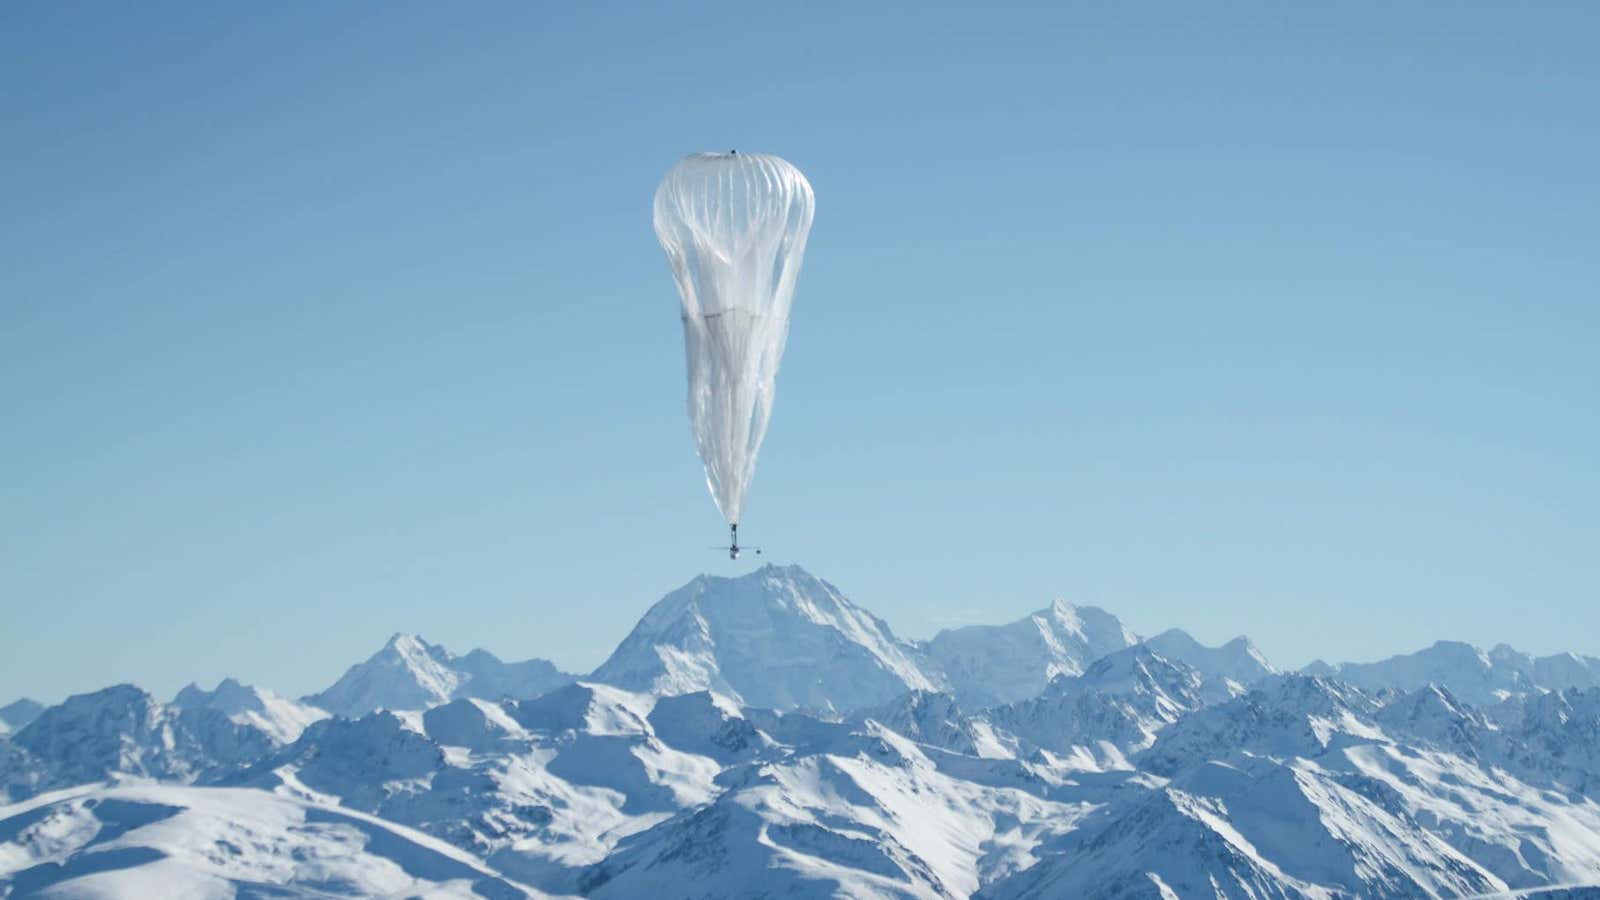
(734, 227)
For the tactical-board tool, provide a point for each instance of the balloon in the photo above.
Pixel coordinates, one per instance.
(734, 227)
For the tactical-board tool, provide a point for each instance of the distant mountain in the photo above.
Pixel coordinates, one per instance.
(1477, 676)
(488, 678)
(777, 638)
(123, 730)
(989, 664)
(280, 718)
(763, 736)
(412, 674)
(15, 715)
(1238, 660)
(1094, 720)
(1256, 828)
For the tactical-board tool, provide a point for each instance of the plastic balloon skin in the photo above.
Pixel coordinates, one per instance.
(734, 227)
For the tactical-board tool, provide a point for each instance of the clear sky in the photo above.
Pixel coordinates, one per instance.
(320, 322)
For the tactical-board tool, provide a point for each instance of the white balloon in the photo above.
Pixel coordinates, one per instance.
(734, 226)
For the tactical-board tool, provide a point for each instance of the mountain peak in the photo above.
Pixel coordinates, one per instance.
(1460, 649)
(412, 647)
(988, 665)
(233, 692)
(16, 714)
(1084, 620)
(122, 695)
(409, 673)
(1174, 637)
(228, 692)
(1238, 660)
(764, 572)
(777, 637)
(192, 689)
(1134, 669)
(104, 731)
(278, 717)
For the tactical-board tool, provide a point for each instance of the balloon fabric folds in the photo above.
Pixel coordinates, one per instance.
(734, 227)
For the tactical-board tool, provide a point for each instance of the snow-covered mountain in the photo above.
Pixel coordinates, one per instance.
(1237, 661)
(1308, 788)
(780, 638)
(762, 736)
(777, 638)
(938, 720)
(280, 718)
(1254, 828)
(876, 818)
(17, 714)
(143, 841)
(1116, 708)
(1551, 738)
(412, 674)
(539, 788)
(123, 730)
(989, 664)
(1291, 716)
(1475, 675)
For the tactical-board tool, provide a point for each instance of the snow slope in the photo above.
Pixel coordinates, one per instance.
(874, 818)
(144, 841)
(540, 788)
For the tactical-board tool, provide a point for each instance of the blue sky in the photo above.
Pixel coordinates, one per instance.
(322, 323)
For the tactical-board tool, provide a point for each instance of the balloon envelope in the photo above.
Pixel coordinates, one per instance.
(734, 227)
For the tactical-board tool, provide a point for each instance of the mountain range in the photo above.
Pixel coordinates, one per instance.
(765, 736)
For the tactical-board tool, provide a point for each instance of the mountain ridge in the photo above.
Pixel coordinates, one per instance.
(408, 673)
(768, 733)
